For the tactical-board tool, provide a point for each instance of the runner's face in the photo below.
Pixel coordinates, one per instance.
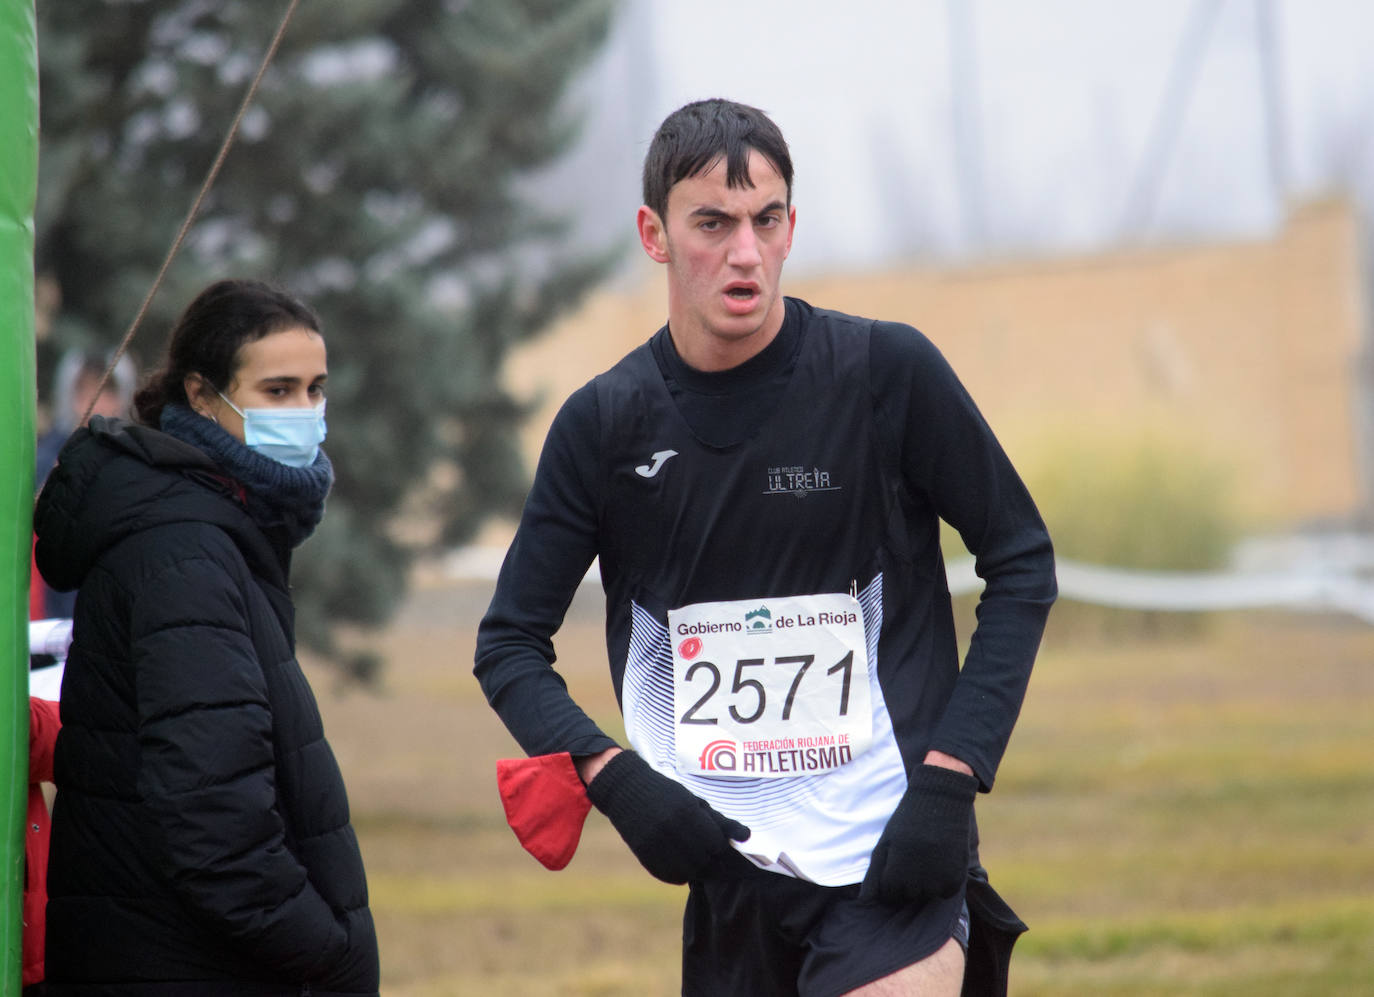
(724, 248)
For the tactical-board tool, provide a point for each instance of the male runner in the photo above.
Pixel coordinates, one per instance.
(763, 482)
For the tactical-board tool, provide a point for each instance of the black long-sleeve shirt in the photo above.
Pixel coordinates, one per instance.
(823, 464)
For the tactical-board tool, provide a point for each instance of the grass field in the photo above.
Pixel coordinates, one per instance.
(1192, 815)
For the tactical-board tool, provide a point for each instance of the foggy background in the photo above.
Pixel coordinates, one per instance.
(953, 129)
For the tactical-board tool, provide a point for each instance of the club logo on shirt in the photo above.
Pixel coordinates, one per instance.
(799, 481)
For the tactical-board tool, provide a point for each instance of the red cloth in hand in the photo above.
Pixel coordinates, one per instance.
(546, 805)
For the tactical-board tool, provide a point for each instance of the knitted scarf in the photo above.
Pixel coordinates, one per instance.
(278, 497)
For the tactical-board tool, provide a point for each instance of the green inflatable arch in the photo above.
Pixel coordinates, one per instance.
(18, 186)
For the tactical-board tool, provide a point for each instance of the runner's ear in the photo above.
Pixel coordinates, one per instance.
(653, 235)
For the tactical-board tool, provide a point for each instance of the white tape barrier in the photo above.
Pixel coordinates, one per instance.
(1308, 583)
(1306, 590)
(1329, 579)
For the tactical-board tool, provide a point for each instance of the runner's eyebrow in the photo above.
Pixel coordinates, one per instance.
(714, 212)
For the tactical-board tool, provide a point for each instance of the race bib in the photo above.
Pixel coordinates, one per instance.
(771, 688)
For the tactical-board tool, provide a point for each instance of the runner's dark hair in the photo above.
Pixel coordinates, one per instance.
(693, 139)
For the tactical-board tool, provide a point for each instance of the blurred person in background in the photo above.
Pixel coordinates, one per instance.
(763, 482)
(201, 835)
(78, 377)
(44, 723)
(49, 641)
(76, 388)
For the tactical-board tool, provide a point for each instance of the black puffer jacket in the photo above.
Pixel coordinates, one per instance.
(201, 839)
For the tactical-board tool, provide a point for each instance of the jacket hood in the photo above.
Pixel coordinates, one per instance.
(114, 479)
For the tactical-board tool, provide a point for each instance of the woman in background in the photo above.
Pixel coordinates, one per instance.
(201, 840)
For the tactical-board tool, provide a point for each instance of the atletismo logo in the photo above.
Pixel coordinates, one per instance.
(719, 756)
(689, 648)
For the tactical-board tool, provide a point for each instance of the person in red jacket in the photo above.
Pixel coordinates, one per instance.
(44, 722)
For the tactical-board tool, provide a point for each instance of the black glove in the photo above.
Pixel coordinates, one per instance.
(674, 833)
(923, 851)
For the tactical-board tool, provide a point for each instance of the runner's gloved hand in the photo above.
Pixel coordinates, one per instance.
(674, 833)
(923, 851)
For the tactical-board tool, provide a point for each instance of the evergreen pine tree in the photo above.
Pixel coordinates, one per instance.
(380, 175)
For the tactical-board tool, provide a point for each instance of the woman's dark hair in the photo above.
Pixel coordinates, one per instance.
(207, 337)
(694, 137)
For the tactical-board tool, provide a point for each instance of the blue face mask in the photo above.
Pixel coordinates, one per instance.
(291, 436)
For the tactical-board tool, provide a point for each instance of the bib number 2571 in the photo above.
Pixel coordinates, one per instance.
(800, 665)
(770, 688)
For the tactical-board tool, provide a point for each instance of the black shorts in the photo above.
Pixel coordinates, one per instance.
(761, 934)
